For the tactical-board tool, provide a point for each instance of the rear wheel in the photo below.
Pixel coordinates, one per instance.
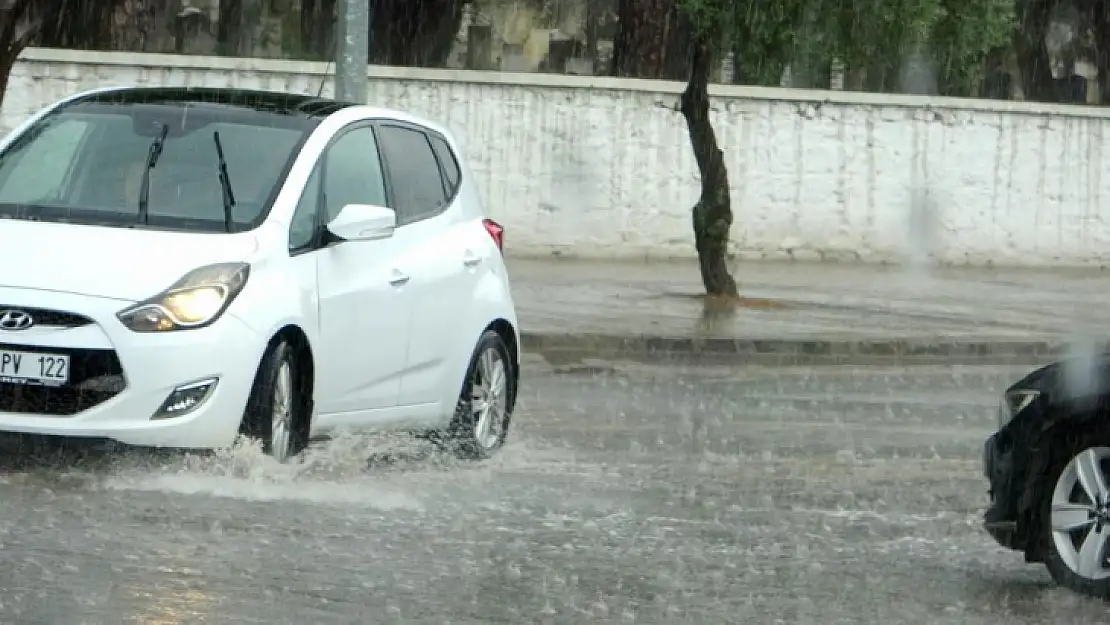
(1076, 513)
(485, 406)
(275, 412)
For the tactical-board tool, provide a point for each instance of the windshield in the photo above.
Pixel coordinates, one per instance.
(86, 162)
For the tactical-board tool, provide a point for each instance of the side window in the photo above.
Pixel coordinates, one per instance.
(43, 166)
(413, 174)
(302, 228)
(353, 172)
(449, 164)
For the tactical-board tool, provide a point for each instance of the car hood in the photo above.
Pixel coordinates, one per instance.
(121, 263)
(1070, 377)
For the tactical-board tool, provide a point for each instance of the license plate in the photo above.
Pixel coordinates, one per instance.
(33, 368)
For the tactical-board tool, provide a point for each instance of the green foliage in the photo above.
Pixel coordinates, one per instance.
(764, 39)
(707, 17)
(963, 37)
(767, 35)
(867, 32)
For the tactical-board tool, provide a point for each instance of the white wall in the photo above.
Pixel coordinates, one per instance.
(602, 167)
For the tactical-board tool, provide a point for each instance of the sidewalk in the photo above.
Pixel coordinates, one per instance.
(822, 313)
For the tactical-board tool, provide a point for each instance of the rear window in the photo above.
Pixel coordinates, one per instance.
(85, 163)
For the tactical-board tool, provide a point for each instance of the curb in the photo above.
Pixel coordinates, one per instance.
(570, 347)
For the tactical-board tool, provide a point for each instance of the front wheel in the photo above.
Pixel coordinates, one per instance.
(485, 406)
(1076, 513)
(275, 410)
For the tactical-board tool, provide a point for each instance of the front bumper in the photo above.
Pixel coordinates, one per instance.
(1000, 519)
(119, 378)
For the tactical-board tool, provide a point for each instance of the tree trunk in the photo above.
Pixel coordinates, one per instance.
(87, 24)
(228, 27)
(414, 33)
(653, 40)
(1032, 56)
(134, 25)
(1099, 23)
(712, 215)
(318, 29)
(592, 19)
(15, 33)
(679, 51)
(640, 42)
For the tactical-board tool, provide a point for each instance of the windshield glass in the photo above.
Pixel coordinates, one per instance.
(85, 164)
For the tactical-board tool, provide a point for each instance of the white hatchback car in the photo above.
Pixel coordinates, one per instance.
(182, 266)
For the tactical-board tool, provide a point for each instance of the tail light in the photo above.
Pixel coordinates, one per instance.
(496, 232)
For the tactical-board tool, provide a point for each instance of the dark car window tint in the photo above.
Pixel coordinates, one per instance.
(302, 230)
(354, 172)
(413, 174)
(449, 164)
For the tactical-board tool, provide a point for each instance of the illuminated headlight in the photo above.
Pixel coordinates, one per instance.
(194, 301)
(1013, 403)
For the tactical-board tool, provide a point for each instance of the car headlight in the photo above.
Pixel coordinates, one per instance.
(1013, 403)
(194, 301)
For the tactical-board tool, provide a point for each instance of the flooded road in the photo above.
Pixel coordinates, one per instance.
(632, 494)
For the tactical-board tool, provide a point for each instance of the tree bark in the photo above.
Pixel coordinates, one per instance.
(1032, 56)
(17, 27)
(228, 27)
(414, 33)
(652, 40)
(318, 29)
(1098, 21)
(87, 24)
(712, 215)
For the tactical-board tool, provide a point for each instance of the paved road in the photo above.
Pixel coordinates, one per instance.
(635, 495)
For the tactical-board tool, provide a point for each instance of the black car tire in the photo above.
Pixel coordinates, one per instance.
(1068, 447)
(461, 436)
(258, 417)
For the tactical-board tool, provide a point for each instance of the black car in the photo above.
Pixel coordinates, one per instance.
(1049, 470)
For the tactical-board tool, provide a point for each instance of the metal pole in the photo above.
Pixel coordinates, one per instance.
(352, 43)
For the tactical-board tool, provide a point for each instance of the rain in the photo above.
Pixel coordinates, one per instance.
(769, 435)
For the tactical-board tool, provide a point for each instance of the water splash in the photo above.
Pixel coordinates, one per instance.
(921, 231)
(1079, 368)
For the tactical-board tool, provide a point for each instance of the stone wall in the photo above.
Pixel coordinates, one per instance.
(602, 167)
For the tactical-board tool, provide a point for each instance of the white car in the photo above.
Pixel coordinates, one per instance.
(182, 266)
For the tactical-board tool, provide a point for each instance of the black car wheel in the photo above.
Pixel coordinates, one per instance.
(1075, 499)
(485, 406)
(277, 413)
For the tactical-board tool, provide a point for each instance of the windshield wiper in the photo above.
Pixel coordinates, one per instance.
(225, 182)
(151, 161)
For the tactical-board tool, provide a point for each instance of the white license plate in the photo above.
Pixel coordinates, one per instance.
(33, 368)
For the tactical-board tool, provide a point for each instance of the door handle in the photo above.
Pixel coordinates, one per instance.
(470, 260)
(398, 278)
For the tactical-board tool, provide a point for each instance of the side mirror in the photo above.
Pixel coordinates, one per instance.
(363, 222)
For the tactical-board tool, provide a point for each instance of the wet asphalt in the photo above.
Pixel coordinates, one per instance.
(627, 494)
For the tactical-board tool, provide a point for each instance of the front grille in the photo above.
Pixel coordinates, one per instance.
(55, 318)
(95, 376)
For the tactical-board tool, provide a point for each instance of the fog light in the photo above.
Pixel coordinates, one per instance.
(186, 398)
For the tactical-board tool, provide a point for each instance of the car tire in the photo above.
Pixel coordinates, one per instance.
(275, 412)
(483, 414)
(1070, 521)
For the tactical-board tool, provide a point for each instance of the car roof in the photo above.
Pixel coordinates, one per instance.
(249, 99)
(309, 107)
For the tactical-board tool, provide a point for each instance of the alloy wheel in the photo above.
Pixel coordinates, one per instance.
(489, 398)
(281, 422)
(1080, 514)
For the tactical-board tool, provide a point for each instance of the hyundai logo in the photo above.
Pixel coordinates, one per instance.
(15, 320)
